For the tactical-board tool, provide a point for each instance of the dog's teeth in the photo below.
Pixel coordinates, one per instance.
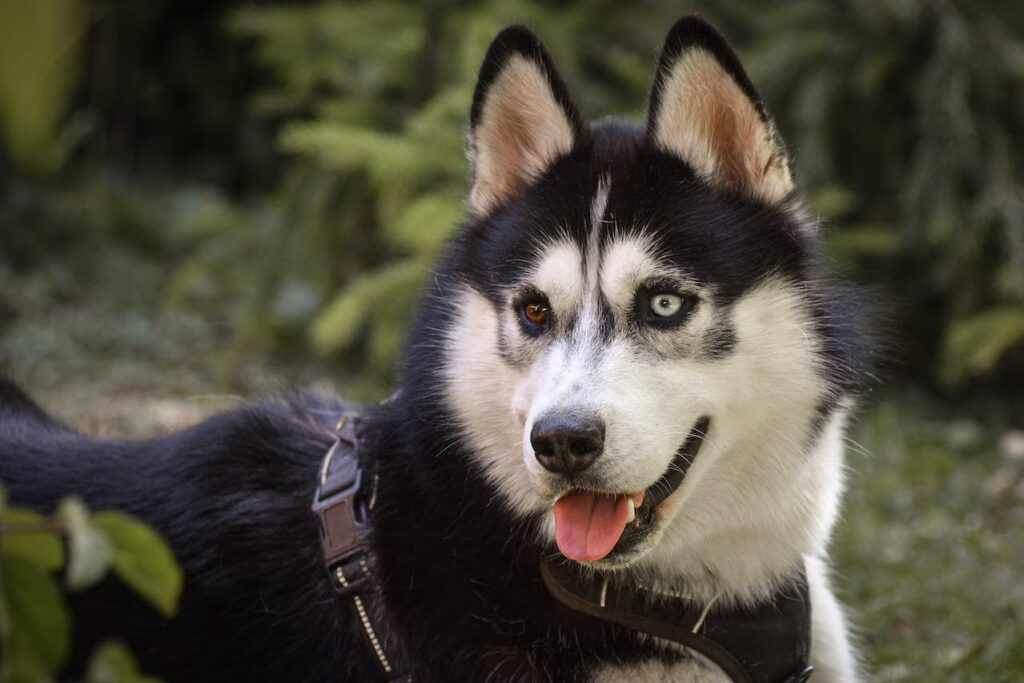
(631, 511)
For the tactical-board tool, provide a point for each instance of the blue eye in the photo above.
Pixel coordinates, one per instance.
(664, 308)
(666, 305)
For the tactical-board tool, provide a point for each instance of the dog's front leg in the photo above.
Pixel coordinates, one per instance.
(831, 652)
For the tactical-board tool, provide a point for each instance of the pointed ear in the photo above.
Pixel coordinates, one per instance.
(522, 119)
(704, 109)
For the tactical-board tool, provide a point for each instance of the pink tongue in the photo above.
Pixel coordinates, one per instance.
(588, 525)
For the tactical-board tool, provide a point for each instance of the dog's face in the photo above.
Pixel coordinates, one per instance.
(634, 352)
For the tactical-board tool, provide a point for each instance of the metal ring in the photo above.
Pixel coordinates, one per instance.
(327, 461)
(330, 453)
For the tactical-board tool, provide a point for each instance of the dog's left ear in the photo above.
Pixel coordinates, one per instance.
(705, 110)
(522, 119)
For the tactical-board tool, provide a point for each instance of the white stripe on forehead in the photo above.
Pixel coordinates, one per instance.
(590, 313)
(597, 210)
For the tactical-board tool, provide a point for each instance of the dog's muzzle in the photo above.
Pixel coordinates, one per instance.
(592, 525)
(649, 513)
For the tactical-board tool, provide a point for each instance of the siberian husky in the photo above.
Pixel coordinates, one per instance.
(628, 364)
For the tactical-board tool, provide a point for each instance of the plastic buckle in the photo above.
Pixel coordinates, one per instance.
(342, 533)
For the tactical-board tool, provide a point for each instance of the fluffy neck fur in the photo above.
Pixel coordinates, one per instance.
(744, 559)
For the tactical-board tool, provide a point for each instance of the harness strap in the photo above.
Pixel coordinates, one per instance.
(342, 505)
(769, 643)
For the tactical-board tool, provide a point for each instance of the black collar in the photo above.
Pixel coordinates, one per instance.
(769, 643)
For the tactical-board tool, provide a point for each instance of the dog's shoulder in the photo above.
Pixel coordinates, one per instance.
(268, 446)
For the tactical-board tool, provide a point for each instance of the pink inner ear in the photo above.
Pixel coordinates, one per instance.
(513, 149)
(522, 130)
(731, 123)
(707, 119)
(726, 137)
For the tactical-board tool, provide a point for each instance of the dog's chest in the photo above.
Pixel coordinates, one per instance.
(690, 670)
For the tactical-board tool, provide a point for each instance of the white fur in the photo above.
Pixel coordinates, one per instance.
(762, 494)
(831, 654)
(695, 670)
(756, 484)
(558, 276)
(598, 207)
(487, 395)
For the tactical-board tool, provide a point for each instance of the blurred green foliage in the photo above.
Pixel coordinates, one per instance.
(35, 627)
(375, 130)
(39, 64)
(295, 167)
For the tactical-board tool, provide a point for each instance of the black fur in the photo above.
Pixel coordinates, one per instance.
(460, 570)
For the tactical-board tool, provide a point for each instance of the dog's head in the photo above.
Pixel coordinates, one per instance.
(636, 348)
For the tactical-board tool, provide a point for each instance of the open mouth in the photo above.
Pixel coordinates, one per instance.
(592, 526)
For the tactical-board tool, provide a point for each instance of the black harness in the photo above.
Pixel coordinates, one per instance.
(769, 643)
(343, 502)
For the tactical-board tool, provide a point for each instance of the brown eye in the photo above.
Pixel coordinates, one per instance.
(536, 312)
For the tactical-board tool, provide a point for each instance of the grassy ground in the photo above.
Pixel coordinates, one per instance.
(929, 555)
(931, 551)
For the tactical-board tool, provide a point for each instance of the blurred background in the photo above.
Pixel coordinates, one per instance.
(203, 202)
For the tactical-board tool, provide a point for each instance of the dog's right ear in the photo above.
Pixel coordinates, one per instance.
(522, 119)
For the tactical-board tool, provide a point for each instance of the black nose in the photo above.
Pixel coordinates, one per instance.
(566, 443)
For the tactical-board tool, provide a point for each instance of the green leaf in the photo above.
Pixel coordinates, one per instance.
(5, 620)
(43, 548)
(423, 225)
(90, 548)
(868, 241)
(143, 560)
(338, 326)
(832, 201)
(974, 345)
(39, 637)
(346, 147)
(40, 44)
(112, 662)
